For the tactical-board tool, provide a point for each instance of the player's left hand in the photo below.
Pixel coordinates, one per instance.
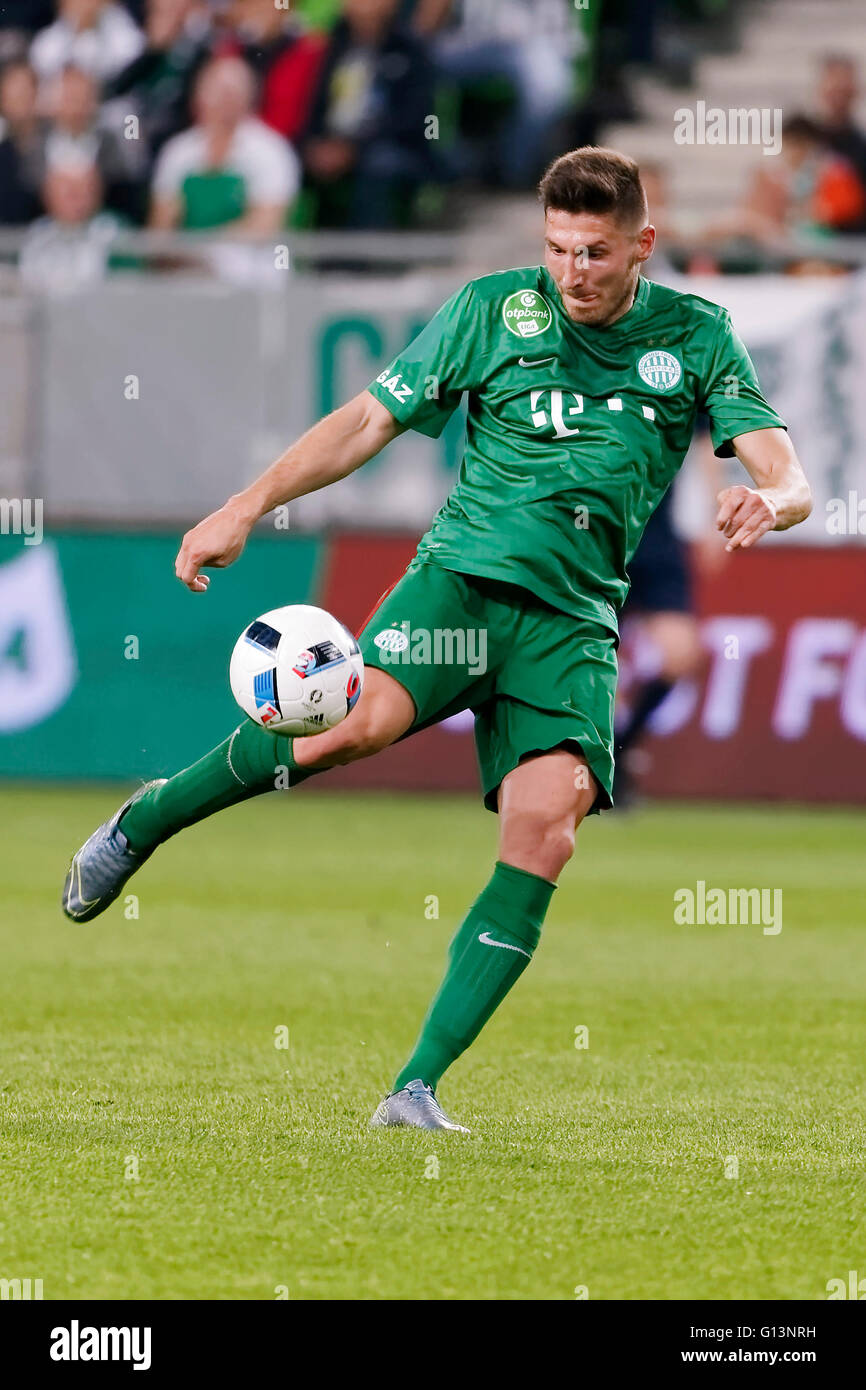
(745, 515)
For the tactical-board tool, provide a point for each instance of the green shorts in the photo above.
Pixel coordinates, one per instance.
(534, 677)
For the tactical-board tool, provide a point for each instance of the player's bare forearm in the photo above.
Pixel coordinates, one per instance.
(332, 449)
(781, 498)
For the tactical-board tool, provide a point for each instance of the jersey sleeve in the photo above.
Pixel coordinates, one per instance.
(731, 395)
(423, 386)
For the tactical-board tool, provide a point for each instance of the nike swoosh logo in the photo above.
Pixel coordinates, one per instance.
(85, 902)
(539, 362)
(505, 945)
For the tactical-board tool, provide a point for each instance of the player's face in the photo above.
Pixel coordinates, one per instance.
(595, 261)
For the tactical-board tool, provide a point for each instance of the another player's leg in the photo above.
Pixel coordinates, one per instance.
(247, 764)
(672, 644)
(667, 647)
(541, 804)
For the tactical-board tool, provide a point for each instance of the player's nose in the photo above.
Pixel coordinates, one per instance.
(573, 280)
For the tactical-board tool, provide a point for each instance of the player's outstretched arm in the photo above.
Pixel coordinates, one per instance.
(331, 450)
(781, 498)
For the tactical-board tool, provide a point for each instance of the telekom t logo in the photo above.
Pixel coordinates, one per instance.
(558, 409)
(564, 406)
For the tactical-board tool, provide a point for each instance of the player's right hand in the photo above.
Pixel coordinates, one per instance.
(215, 543)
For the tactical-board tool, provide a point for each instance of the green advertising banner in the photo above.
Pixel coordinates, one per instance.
(109, 667)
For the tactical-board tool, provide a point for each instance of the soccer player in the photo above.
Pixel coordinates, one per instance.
(583, 380)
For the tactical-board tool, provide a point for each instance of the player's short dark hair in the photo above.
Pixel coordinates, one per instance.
(596, 180)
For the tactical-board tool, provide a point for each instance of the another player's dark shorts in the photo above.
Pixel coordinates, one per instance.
(659, 572)
(543, 678)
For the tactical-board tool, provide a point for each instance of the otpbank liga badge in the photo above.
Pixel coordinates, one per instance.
(661, 370)
(527, 314)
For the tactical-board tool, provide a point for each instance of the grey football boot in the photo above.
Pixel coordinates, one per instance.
(415, 1106)
(102, 866)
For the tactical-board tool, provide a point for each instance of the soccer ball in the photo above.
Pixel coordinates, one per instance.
(296, 671)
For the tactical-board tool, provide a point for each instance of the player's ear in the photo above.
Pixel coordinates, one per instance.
(646, 242)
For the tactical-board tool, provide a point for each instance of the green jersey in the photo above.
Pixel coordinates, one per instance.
(573, 432)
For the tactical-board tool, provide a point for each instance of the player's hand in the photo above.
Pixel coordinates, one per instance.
(745, 515)
(216, 542)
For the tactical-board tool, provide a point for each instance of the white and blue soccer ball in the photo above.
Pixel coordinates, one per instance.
(296, 671)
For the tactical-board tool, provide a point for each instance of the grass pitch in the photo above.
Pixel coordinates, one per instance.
(156, 1142)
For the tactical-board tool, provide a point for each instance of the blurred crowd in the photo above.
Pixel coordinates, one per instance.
(261, 114)
(815, 189)
(256, 115)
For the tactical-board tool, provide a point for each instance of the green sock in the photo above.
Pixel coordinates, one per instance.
(480, 972)
(251, 761)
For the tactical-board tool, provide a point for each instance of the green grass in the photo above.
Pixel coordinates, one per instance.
(152, 1041)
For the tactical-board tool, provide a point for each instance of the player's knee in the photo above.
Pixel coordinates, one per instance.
(556, 848)
(685, 657)
(539, 844)
(679, 641)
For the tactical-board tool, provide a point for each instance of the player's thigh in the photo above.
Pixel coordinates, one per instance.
(382, 716)
(437, 633)
(426, 650)
(556, 686)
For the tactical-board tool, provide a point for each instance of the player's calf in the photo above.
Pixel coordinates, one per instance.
(249, 763)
